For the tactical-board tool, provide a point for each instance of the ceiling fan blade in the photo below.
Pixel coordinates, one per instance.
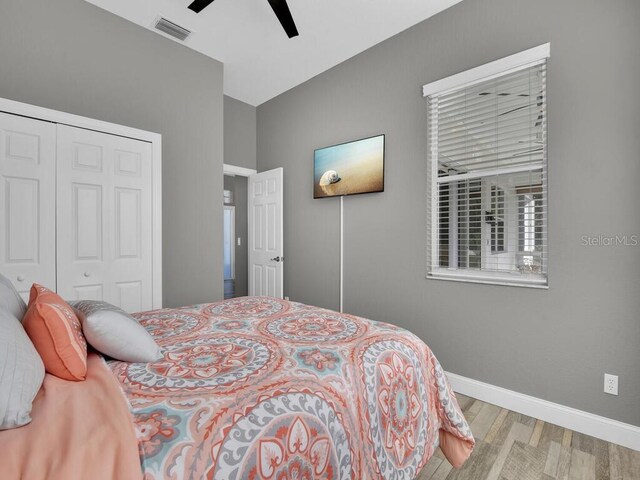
(281, 9)
(199, 5)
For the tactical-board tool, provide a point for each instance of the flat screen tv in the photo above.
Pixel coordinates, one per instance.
(349, 168)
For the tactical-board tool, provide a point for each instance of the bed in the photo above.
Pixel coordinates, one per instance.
(263, 388)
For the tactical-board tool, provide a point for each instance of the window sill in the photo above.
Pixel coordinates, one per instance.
(489, 278)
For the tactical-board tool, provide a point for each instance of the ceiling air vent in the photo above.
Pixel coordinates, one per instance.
(171, 29)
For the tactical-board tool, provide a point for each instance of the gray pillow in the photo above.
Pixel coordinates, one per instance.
(114, 332)
(21, 372)
(11, 299)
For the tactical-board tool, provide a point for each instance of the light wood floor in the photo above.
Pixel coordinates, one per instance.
(510, 446)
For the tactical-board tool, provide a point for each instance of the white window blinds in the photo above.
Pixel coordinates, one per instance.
(488, 179)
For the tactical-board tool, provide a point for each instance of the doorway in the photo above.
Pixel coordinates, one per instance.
(235, 236)
(229, 235)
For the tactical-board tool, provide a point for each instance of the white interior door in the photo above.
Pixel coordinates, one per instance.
(265, 234)
(104, 218)
(27, 196)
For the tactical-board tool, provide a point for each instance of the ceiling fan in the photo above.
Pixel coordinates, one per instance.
(280, 8)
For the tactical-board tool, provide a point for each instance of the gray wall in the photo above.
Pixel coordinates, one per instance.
(554, 344)
(72, 56)
(238, 185)
(239, 133)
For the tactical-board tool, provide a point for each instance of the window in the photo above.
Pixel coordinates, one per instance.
(488, 172)
(530, 208)
(495, 218)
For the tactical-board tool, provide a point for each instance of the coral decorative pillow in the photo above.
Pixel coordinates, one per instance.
(56, 333)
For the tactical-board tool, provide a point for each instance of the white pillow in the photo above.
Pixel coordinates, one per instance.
(21, 372)
(114, 332)
(11, 299)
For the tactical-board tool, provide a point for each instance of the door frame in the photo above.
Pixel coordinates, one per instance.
(232, 247)
(155, 139)
(235, 171)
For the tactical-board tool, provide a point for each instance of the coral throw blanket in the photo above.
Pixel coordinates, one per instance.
(79, 430)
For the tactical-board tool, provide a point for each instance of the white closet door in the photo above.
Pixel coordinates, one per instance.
(104, 218)
(27, 197)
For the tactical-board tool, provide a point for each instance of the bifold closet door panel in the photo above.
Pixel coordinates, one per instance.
(104, 230)
(27, 196)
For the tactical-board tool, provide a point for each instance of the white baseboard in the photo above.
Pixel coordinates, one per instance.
(594, 425)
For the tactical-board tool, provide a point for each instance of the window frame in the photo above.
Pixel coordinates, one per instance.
(504, 66)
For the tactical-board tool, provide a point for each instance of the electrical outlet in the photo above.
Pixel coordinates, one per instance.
(239, 241)
(610, 384)
(286, 298)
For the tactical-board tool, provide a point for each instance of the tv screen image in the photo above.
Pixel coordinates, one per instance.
(349, 168)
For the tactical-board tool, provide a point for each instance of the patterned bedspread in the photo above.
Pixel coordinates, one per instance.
(262, 388)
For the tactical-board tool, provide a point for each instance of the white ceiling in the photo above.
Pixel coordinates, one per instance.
(260, 62)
